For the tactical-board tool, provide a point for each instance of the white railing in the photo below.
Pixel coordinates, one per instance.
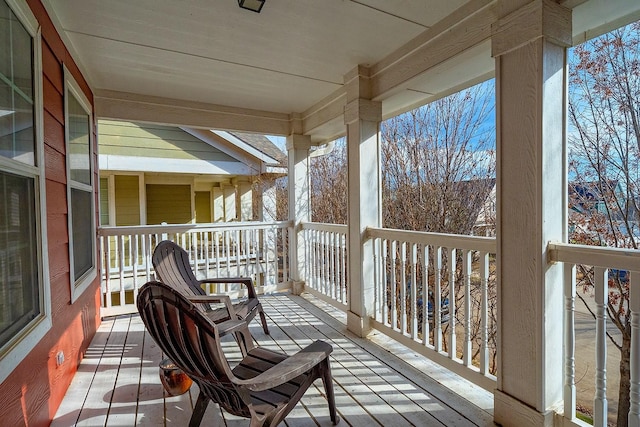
(600, 259)
(416, 269)
(255, 249)
(326, 261)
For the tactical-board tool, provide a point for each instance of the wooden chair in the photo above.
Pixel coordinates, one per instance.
(172, 267)
(264, 386)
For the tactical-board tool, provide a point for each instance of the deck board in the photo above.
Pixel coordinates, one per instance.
(117, 383)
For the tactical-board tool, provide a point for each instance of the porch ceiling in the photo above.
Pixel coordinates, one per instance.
(210, 64)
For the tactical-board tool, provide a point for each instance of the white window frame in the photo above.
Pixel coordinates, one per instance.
(14, 352)
(80, 284)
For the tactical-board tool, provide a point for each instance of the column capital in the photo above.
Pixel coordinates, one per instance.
(357, 83)
(538, 19)
(362, 109)
(298, 142)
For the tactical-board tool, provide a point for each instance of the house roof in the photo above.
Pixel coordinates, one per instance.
(209, 64)
(262, 144)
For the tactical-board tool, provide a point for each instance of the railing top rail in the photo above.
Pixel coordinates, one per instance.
(473, 243)
(597, 256)
(321, 226)
(185, 228)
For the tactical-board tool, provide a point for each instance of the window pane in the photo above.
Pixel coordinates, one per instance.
(78, 126)
(82, 224)
(19, 290)
(17, 136)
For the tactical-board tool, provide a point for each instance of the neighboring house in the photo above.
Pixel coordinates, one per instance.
(485, 224)
(587, 197)
(153, 174)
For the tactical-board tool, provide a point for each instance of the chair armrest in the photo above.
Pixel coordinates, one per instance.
(215, 298)
(230, 326)
(247, 281)
(289, 368)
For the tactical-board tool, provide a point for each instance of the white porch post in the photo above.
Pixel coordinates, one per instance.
(246, 201)
(229, 192)
(362, 118)
(299, 203)
(529, 43)
(267, 204)
(218, 203)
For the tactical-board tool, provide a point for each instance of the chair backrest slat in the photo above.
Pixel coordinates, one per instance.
(172, 266)
(191, 341)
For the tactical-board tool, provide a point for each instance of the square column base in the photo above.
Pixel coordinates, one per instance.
(509, 411)
(297, 287)
(357, 324)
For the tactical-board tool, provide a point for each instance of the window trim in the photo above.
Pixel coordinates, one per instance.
(24, 342)
(80, 284)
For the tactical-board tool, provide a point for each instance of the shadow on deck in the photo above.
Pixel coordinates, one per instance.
(377, 382)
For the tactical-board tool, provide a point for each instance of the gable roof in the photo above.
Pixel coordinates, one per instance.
(262, 144)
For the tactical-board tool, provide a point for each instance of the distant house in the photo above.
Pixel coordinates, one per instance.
(152, 174)
(587, 197)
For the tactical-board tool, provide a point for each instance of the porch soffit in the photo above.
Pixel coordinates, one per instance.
(213, 65)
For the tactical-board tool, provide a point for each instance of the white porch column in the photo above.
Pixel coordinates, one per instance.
(217, 198)
(529, 43)
(246, 201)
(299, 203)
(229, 192)
(267, 204)
(362, 118)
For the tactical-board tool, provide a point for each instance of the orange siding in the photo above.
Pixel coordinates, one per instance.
(33, 391)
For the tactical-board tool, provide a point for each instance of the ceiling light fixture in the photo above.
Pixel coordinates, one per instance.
(253, 5)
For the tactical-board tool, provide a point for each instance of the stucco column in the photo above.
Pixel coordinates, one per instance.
(299, 203)
(362, 118)
(529, 45)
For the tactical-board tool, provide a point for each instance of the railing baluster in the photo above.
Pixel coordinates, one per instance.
(601, 298)
(384, 283)
(121, 265)
(484, 312)
(403, 287)
(134, 261)
(425, 295)
(107, 271)
(634, 306)
(466, 274)
(452, 303)
(437, 326)
(393, 297)
(414, 289)
(569, 341)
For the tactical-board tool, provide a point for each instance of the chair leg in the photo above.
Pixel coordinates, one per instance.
(328, 388)
(263, 319)
(198, 410)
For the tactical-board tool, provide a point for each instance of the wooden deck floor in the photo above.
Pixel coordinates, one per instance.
(117, 383)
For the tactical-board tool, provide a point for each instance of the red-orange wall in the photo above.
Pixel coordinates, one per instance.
(32, 393)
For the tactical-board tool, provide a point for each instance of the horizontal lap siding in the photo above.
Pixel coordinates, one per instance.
(127, 200)
(162, 142)
(168, 203)
(32, 393)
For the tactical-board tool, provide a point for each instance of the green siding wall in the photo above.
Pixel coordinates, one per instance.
(104, 201)
(127, 201)
(132, 139)
(203, 207)
(168, 203)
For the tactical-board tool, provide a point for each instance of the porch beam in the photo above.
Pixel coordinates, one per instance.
(174, 112)
(529, 45)
(362, 118)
